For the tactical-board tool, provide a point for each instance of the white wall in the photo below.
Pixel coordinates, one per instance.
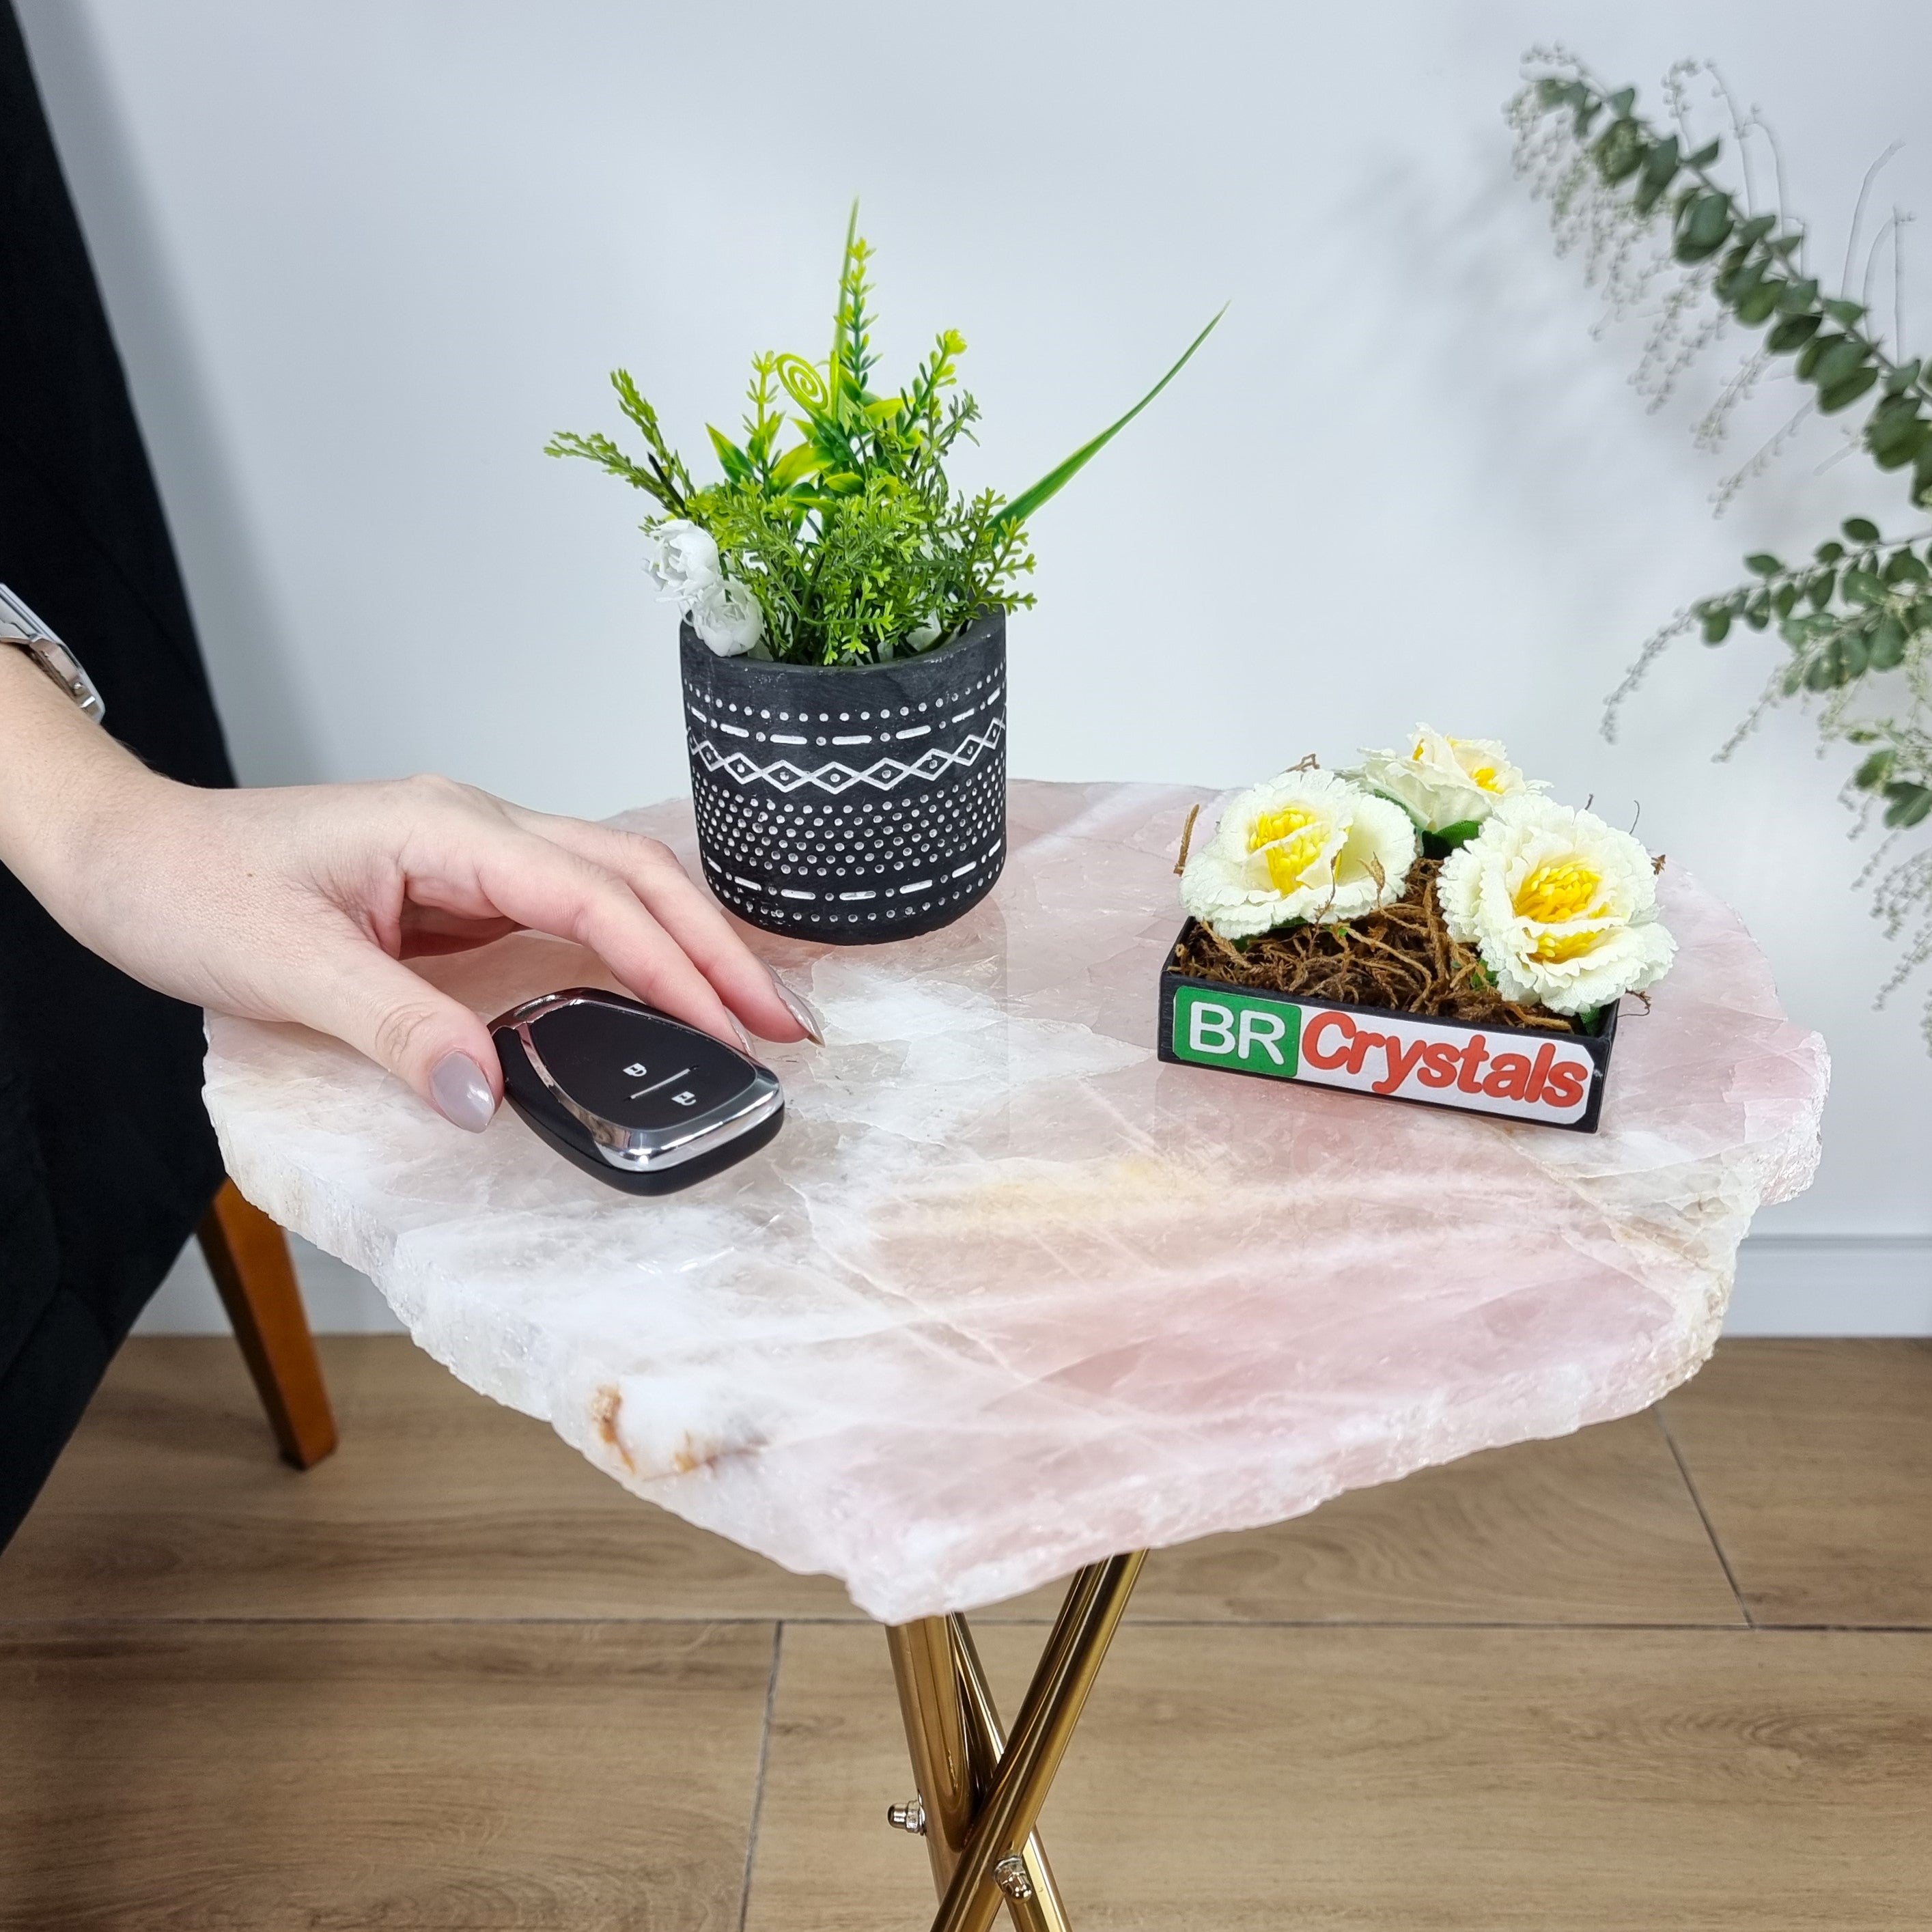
(363, 256)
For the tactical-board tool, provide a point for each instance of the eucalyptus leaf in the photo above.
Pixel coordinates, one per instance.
(1620, 150)
(1875, 770)
(1896, 432)
(1861, 530)
(1798, 296)
(1819, 346)
(1850, 314)
(1837, 362)
(1790, 332)
(1887, 644)
(1717, 626)
(1908, 804)
(1707, 223)
(1842, 395)
(1705, 155)
(1757, 305)
(1762, 563)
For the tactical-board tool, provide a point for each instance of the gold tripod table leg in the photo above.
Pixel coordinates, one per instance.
(935, 1728)
(1035, 1907)
(954, 1738)
(1040, 1735)
(979, 1792)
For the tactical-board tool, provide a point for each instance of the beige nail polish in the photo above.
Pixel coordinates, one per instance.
(462, 1094)
(800, 1009)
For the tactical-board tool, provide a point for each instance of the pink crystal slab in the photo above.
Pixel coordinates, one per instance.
(1008, 1295)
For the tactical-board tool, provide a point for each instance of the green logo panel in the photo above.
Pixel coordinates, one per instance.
(1236, 1029)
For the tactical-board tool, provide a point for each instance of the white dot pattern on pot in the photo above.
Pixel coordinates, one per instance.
(850, 821)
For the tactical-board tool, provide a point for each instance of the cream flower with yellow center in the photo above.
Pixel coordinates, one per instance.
(1308, 845)
(1562, 907)
(1444, 781)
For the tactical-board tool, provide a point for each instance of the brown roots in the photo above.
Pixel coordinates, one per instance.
(1401, 957)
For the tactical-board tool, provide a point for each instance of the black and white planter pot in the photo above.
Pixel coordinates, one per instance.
(848, 803)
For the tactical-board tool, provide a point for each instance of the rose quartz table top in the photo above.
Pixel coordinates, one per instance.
(1008, 1295)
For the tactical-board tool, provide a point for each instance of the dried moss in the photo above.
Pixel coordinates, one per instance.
(1401, 957)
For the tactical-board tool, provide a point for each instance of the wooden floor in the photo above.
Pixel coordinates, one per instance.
(1675, 1671)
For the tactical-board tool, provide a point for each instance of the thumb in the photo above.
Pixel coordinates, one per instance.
(433, 1042)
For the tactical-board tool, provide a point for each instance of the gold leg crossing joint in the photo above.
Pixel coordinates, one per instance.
(981, 1790)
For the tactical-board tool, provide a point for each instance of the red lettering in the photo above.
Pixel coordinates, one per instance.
(1398, 1064)
(1359, 1046)
(1438, 1065)
(1564, 1086)
(1540, 1072)
(1508, 1074)
(1472, 1057)
(1311, 1051)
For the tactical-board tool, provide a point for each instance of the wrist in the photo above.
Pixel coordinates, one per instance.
(63, 783)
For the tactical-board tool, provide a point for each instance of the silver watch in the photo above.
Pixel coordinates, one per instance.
(18, 626)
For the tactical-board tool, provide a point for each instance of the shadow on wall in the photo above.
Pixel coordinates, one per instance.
(260, 704)
(1534, 366)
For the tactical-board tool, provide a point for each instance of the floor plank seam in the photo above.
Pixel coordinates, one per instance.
(1704, 1516)
(758, 1785)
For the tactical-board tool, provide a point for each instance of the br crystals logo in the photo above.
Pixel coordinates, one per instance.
(1526, 1075)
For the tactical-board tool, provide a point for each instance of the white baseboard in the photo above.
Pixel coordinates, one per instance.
(1787, 1284)
(1833, 1284)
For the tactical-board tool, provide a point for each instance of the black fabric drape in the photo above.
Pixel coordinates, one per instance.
(107, 1157)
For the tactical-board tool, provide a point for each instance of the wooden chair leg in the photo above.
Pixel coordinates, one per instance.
(248, 1255)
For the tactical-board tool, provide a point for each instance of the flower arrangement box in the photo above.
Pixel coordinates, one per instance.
(1428, 927)
(844, 634)
(1521, 1072)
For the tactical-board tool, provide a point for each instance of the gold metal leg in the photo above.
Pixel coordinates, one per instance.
(986, 1745)
(981, 1794)
(935, 1728)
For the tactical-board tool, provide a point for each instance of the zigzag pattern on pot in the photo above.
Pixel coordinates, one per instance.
(784, 776)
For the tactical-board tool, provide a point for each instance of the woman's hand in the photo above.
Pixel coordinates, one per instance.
(299, 904)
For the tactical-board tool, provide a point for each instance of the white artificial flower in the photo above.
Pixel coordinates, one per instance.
(923, 635)
(726, 617)
(1562, 907)
(1444, 781)
(683, 558)
(1307, 845)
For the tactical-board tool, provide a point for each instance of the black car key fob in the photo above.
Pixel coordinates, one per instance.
(631, 1095)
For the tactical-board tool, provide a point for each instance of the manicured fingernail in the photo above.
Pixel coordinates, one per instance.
(461, 1093)
(801, 1009)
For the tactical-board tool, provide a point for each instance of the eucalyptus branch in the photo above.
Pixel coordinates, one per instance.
(1860, 609)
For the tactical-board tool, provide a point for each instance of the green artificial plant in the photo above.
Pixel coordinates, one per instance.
(834, 511)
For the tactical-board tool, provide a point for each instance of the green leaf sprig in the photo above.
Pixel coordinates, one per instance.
(1856, 617)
